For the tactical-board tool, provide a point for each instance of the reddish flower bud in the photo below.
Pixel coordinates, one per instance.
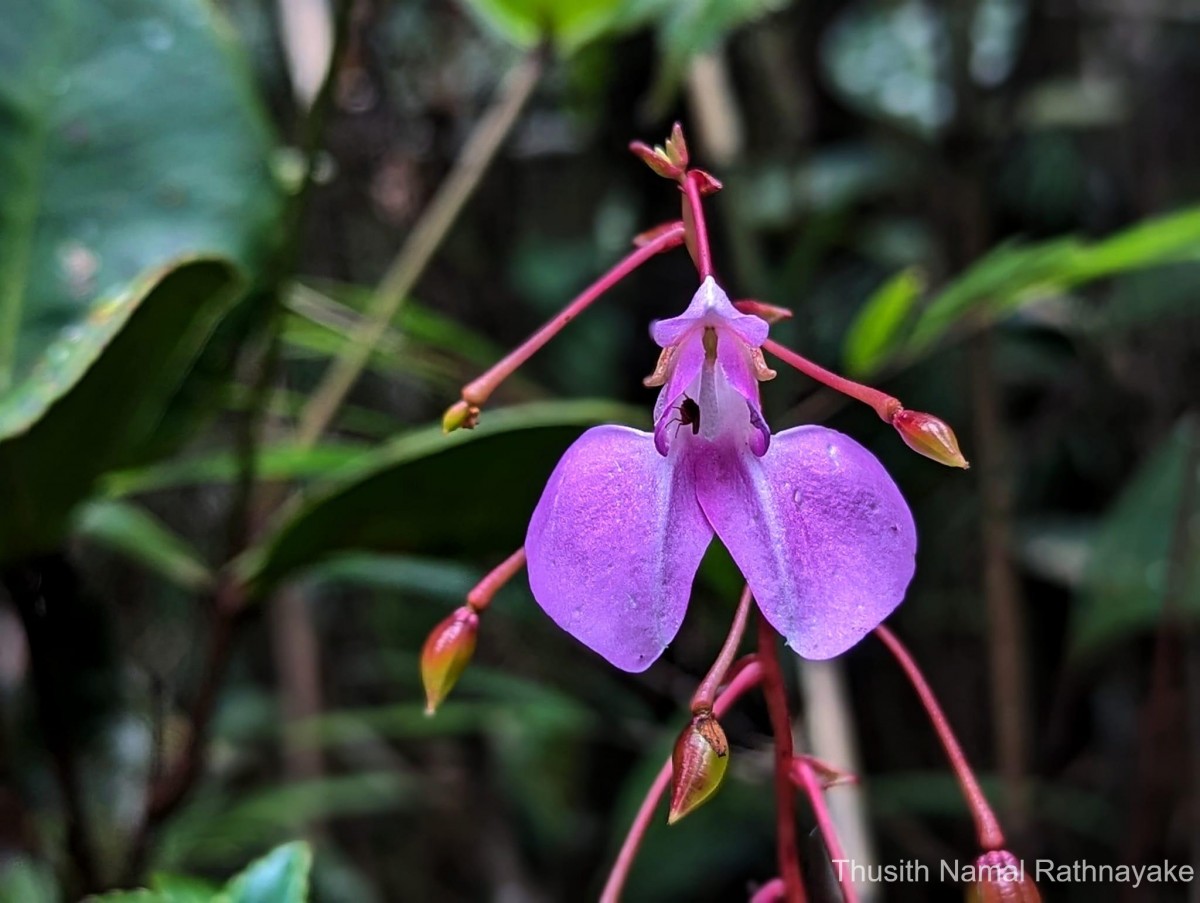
(460, 415)
(699, 760)
(676, 147)
(929, 436)
(446, 653)
(1000, 878)
(707, 183)
(658, 160)
(768, 312)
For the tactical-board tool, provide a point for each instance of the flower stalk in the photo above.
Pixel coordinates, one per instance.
(702, 699)
(814, 787)
(987, 827)
(745, 679)
(923, 433)
(785, 805)
(480, 597)
(475, 394)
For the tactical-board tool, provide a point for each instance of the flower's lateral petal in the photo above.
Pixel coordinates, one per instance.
(820, 531)
(710, 306)
(689, 358)
(614, 544)
(734, 360)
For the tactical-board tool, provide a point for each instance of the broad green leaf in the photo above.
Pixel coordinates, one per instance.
(571, 23)
(876, 330)
(279, 877)
(133, 531)
(275, 462)
(1014, 275)
(50, 465)
(129, 137)
(427, 492)
(1130, 571)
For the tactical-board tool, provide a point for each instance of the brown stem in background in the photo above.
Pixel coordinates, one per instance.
(1174, 666)
(425, 238)
(40, 589)
(1002, 591)
(785, 802)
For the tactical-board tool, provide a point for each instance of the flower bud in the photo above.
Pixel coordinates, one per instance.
(676, 147)
(929, 436)
(707, 183)
(698, 765)
(446, 653)
(460, 415)
(1000, 878)
(658, 160)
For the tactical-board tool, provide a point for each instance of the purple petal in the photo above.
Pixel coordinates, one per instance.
(734, 359)
(686, 367)
(614, 544)
(710, 306)
(819, 530)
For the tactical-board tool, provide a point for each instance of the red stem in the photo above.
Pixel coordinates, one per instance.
(481, 595)
(747, 678)
(478, 391)
(986, 826)
(885, 405)
(802, 772)
(702, 700)
(781, 726)
(699, 232)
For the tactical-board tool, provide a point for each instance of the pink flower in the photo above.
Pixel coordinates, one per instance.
(817, 527)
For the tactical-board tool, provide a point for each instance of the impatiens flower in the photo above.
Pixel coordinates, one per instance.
(817, 527)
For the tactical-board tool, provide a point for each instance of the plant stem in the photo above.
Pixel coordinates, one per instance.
(1001, 586)
(702, 699)
(423, 241)
(745, 679)
(481, 595)
(802, 770)
(987, 828)
(477, 392)
(698, 233)
(884, 405)
(785, 804)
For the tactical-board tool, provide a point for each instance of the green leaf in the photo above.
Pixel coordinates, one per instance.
(185, 889)
(1014, 275)
(132, 531)
(570, 23)
(277, 462)
(24, 880)
(279, 877)
(427, 492)
(876, 330)
(1130, 571)
(106, 179)
(49, 466)
(132, 143)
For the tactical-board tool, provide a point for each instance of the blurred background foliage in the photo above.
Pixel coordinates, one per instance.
(210, 621)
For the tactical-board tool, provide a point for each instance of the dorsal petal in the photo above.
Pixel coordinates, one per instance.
(820, 531)
(710, 306)
(614, 544)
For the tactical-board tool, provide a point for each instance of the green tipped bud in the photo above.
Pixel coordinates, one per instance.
(676, 147)
(698, 765)
(929, 436)
(1000, 878)
(446, 654)
(658, 160)
(460, 415)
